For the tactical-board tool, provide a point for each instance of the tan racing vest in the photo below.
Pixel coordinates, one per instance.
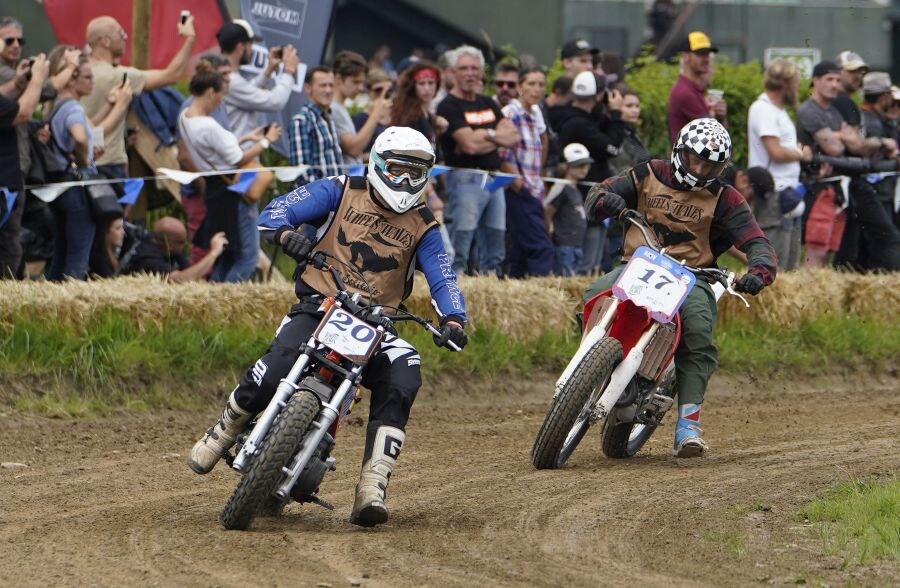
(681, 219)
(377, 240)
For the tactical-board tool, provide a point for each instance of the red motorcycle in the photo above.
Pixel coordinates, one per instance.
(624, 372)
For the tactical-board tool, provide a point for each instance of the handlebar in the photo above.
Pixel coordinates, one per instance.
(711, 274)
(368, 313)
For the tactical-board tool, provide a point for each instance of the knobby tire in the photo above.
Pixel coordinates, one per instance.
(255, 491)
(550, 450)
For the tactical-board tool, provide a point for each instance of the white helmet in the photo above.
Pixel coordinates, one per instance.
(398, 166)
(703, 139)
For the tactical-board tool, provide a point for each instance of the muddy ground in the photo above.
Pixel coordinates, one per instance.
(109, 501)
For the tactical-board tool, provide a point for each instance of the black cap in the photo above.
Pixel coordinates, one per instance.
(825, 67)
(577, 47)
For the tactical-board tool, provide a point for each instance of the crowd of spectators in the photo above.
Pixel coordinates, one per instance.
(551, 141)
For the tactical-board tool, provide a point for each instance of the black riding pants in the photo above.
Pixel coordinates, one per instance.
(392, 374)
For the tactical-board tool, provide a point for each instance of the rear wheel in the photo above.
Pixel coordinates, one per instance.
(570, 413)
(621, 440)
(255, 491)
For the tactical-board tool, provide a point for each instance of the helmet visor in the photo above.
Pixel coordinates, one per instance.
(396, 170)
(700, 167)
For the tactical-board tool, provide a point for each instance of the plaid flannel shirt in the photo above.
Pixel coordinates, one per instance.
(527, 154)
(314, 142)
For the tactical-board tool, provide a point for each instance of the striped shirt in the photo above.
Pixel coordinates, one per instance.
(526, 155)
(314, 142)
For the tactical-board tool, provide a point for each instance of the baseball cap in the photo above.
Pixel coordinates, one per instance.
(577, 154)
(587, 84)
(577, 47)
(876, 82)
(696, 42)
(851, 61)
(825, 67)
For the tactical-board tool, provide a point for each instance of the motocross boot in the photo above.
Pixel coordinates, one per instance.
(219, 438)
(383, 445)
(688, 442)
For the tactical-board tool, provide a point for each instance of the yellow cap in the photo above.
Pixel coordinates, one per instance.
(699, 41)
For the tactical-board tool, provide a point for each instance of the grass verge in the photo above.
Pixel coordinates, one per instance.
(111, 360)
(859, 521)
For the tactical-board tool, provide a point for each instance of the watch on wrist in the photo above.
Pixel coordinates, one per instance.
(265, 143)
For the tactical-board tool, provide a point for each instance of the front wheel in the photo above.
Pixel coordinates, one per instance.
(254, 493)
(570, 413)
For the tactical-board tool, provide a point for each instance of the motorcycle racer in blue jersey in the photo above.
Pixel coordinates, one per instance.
(379, 225)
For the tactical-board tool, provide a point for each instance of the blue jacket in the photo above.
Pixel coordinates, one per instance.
(314, 202)
(158, 110)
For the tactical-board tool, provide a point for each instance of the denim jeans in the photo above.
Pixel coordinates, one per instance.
(568, 259)
(592, 249)
(472, 209)
(246, 259)
(74, 231)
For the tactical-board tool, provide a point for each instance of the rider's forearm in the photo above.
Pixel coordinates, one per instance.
(622, 185)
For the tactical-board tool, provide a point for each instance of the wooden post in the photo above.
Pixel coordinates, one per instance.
(140, 33)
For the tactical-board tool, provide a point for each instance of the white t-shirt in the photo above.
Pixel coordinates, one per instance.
(767, 120)
(211, 147)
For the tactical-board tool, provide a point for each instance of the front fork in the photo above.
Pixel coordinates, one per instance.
(283, 393)
(326, 417)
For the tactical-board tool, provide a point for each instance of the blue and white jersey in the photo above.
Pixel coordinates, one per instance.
(318, 203)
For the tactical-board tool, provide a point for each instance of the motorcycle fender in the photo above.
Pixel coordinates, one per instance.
(619, 380)
(322, 390)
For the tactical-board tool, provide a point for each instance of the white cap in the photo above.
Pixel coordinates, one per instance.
(851, 61)
(585, 85)
(577, 154)
(246, 26)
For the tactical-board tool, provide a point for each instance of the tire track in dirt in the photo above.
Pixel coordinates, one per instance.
(110, 501)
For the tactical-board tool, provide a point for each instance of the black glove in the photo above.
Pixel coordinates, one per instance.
(295, 245)
(611, 205)
(451, 332)
(749, 284)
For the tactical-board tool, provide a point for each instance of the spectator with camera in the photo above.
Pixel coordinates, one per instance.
(16, 109)
(379, 84)
(350, 71)
(212, 147)
(247, 100)
(577, 123)
(107, 38)
(72, 146)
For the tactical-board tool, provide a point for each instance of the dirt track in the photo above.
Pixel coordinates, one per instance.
(110, 501)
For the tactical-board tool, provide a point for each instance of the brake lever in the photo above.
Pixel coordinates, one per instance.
(729, 287)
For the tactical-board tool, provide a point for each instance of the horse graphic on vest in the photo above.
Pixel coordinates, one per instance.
(667, 237)
(371, 261)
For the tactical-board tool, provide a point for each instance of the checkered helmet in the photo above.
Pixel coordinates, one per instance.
(704, 139)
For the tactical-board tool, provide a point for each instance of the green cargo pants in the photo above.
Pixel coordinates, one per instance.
(696, 357)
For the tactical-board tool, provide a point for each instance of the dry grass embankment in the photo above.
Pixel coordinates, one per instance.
(521, 309)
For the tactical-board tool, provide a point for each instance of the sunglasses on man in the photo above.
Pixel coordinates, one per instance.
(11, 40)
(505, 84)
